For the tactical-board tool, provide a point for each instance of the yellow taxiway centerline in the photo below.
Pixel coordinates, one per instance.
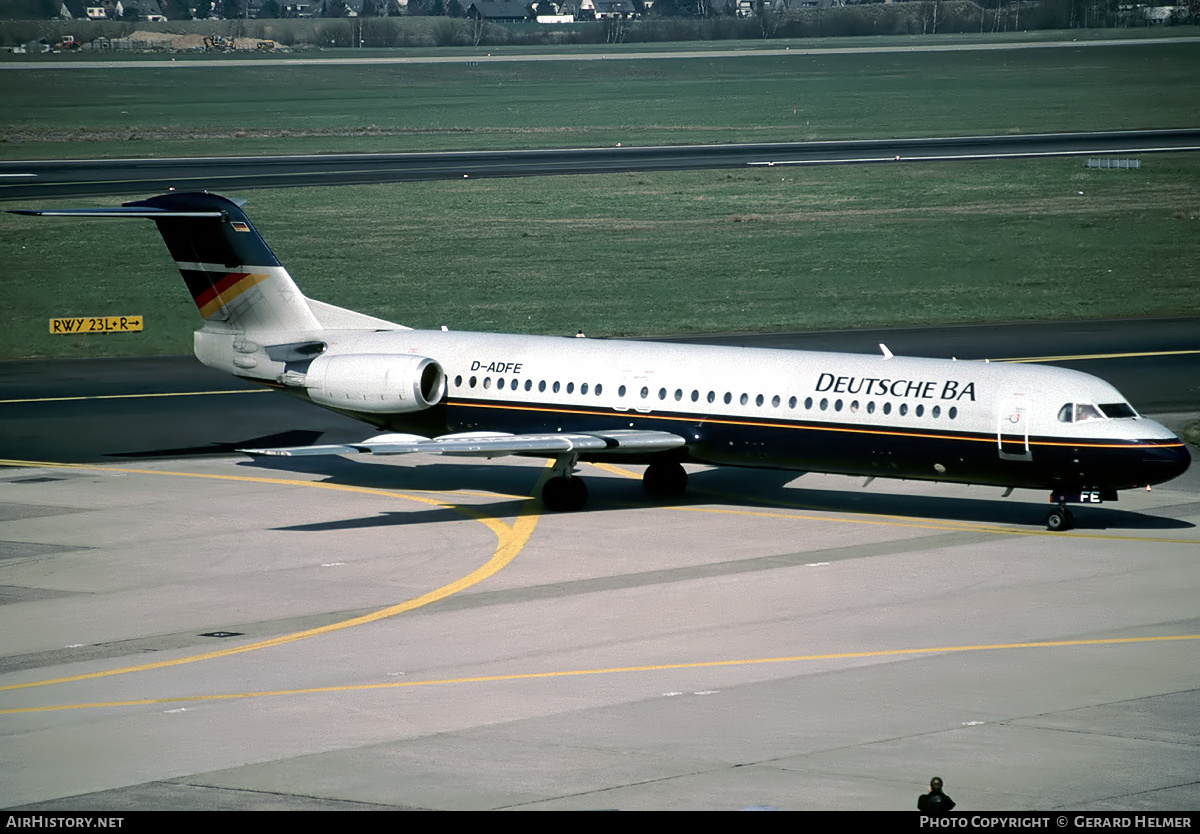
(511, 539)
(661, 667)
(1083, 356)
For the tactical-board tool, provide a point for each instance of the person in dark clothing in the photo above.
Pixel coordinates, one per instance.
(935, 802)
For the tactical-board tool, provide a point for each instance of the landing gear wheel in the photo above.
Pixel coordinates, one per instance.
(1059, 519)
(664, 480)
(564, 494)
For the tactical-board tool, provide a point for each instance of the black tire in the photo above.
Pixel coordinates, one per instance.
(1059, 520)
(564, 494)
(664, 480)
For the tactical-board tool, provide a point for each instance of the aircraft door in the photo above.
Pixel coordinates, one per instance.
(1012, 429)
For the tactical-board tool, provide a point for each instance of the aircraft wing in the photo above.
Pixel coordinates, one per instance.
(493, 444)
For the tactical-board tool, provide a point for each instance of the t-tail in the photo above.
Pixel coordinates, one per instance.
(249, 302)
(231, 273)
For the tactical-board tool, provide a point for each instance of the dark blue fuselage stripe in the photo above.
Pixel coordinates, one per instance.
(925, 454)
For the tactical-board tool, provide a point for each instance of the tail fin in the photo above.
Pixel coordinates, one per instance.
(231, 273)
(236, 281)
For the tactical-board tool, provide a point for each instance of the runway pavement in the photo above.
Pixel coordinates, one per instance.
(186, 628)
(45, 179)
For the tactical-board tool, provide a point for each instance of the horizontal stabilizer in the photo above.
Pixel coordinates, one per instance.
(494, 445)
(122, 211)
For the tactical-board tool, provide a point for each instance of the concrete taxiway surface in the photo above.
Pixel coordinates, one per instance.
(415, 634)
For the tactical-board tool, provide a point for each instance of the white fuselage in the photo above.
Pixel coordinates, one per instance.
(866, 414)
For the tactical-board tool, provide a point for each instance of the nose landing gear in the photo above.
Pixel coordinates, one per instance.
(1060, 518)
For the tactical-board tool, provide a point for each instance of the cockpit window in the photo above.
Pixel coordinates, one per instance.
(1078, 412)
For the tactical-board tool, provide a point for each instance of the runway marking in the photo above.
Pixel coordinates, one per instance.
(961, 157)
(615, 670)
(133, 396)
(882, 520)
(510, 541)
(202, 179)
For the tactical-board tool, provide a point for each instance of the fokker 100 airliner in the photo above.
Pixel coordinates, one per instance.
(663, 405)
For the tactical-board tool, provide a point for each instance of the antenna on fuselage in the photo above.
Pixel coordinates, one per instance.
(887, 354)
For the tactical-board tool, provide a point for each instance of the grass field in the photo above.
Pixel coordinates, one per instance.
(286, 109)
(655, 253)
(637, 254)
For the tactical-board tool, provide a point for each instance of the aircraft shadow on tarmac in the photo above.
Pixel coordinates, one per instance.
(297, 437)
(732, 487)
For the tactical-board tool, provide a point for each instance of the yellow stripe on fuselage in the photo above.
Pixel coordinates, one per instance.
(725, 421)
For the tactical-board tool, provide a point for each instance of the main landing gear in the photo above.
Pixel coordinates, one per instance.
(664, 480)
(1060, 518)
(564, 492)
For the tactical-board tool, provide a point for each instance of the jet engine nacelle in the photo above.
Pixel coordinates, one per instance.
(378, 383)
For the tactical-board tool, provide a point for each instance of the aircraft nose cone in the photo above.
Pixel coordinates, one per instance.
(1165, 462)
